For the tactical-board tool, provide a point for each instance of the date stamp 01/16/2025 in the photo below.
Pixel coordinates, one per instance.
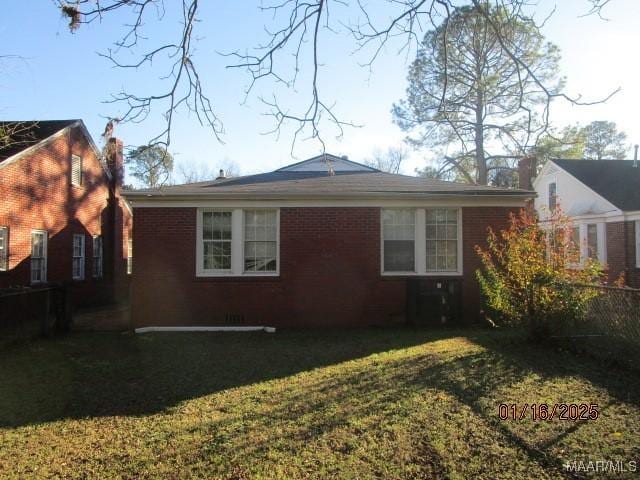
(548, 412)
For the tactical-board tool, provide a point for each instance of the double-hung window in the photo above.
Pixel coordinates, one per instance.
(4, 248)
(442, 239)
(78, 257)
(422, 241)
(260, 240)
(398, 237)
(638, 243)
(553, 196)
(38, 256)
(97, 256)
(237, 241)
(216, 241)
(592, 241)
(129, 256)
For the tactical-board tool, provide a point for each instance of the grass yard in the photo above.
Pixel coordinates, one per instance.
(352, 404)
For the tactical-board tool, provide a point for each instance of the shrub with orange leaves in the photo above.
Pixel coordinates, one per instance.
(527, 273)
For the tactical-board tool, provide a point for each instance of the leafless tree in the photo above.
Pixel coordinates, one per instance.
(389, 161)
(298, 29)
(17, 134)
(181, 82)
(192, 173)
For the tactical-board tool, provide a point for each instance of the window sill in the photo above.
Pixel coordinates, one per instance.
(425, 274)
(271, 277)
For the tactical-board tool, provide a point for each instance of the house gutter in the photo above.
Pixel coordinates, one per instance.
(206, 329)
(148, 197)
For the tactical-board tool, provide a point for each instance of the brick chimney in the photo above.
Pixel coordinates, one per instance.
(526, 172)
(115, 161)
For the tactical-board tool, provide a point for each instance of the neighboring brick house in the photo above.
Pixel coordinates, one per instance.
(62, 219)
(324, 242)
(602, 198)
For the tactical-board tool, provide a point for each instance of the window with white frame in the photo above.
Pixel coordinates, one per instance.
(592, 241)
(216, 240)
(429, 241)
(398, 240)
(38, 256)
(235, 241)
(260, 240)
(442, 239)
(78, 257)
(638, 243)
(574, 246)
(97, 256)
(4, 248)
(76, 170)
(129, 256)
(553, 196)
(575, 237)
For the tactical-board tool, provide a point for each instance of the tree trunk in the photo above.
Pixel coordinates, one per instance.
(481, 162)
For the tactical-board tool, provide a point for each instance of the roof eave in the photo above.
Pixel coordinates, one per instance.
(135, 195)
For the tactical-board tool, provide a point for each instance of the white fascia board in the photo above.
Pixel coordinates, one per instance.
(93, 146)
(593, 192)
(440, 200)
(206, 329)
(45, 141)
(608, 217)
(29, 150)
(542, 173)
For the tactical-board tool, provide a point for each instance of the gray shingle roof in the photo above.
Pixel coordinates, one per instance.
(29, 132)
(321, 184)
(618, 181)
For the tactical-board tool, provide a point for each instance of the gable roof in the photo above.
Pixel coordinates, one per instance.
(351, 182)
(321, 163)
(617, 181)
(28, 133)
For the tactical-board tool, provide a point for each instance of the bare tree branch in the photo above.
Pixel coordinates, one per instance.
(183, 84)
(298, 34)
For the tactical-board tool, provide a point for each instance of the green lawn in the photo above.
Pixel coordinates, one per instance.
(350, 404)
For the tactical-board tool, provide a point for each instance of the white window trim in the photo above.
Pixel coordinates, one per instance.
(601, 239)
(45, 254)
(94, 273)
(129, 256)
(82, 257)
(80, 159)
(549, 182)
(637, 223)
(416, 236)
(237, 245)
(420, 246)
(4, 266)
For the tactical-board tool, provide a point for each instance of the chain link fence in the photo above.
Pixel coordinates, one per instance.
(29, 312)
(610, 326)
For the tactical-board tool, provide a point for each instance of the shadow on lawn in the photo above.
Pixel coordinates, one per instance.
(87, 375)
(92, 375)
(360, 396)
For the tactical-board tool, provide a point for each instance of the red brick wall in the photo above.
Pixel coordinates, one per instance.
(329, 272)
(38, 194)
(621, 253)
(475, 224)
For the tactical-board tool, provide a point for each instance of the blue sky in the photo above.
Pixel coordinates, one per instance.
(59, 75)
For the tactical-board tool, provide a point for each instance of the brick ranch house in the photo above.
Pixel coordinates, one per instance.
(602, 199)
(62, 219)
(301, 246)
